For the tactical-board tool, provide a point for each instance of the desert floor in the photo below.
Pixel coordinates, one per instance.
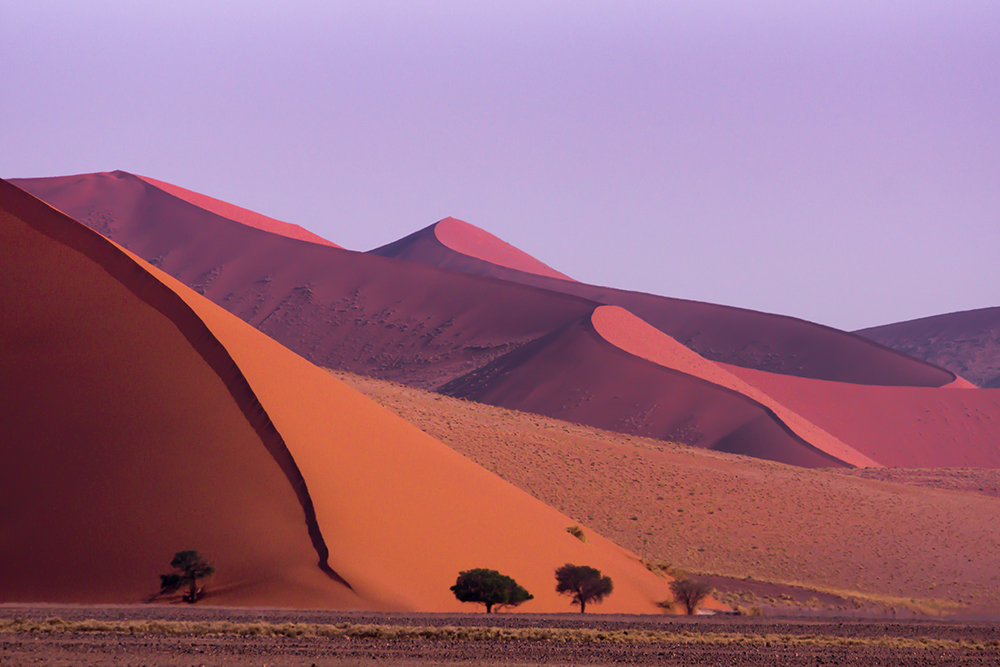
(702, 640)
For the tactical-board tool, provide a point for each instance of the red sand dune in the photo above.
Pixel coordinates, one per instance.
(239, 214)
(966, 343)
(456, 245)
(916, 427)
(593, 372)
(301, 299)
(628, 332)
(340, 309)
(737, 336)
(141, 419)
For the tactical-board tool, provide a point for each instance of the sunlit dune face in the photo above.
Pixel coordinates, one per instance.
(470, 240)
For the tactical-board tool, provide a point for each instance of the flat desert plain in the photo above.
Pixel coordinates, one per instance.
(210, 636)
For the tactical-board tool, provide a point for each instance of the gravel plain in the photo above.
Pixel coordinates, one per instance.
(99, 649)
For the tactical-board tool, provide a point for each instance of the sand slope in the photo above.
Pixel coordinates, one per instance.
(200, 250)
(339, 309)
(737, 336)
(917, 427)
(900, 537)
(966, 343)
(611, 371)
(143, 419)
(458, 246)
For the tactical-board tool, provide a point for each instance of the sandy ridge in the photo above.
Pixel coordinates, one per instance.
(631, 334)
(131, 273)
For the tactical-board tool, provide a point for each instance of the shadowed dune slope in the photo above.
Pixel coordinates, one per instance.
(239, 214)
(340, 309)
(737, 336)
(458, 246)
(129, 435)
(916, 427)
(966, 343)
(126, 444)
(578, 375)
(85, 197)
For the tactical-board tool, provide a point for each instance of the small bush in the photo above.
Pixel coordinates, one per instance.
(577, 532)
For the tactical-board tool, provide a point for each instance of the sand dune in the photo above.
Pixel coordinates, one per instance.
(898, 537)
(737, 336)
(141, 419)
(915, 427)
(72, 191)
(128, 435)
(597, 371)
(197, 250)
(458, 246)
(966, 343)
(339, 309)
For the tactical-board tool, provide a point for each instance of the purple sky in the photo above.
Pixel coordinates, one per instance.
(835, 161)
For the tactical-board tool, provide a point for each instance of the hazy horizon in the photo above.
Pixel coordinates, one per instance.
(840, 164)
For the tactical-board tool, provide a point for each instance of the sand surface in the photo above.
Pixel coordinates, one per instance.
(114, 370)
(615, 372)
(967, 343)
(456, 245)
(303, 295)
(721, 333)
(239, 214)
(907, 541)
(916, 427)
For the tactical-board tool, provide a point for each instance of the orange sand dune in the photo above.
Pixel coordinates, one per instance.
(915, 427)
(737, 336)
(611, 371)
(340, 309)
(141, 419)
(458, 246)
(966, 343)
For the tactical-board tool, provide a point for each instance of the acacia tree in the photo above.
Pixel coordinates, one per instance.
(690, 593)
(584, 583)
(189, 567)
(490, 588)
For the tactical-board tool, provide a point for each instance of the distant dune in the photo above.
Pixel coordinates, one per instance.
(141, 419)
(612, 371)
(458, 246)
(460, 320)
(340, 309)
(966, 343)
(915, 427)
(737, 336)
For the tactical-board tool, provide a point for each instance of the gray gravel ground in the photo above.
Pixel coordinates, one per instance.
(99, 650)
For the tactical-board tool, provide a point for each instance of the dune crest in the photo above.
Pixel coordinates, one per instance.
(775, 343)
(623, 329)
(456, 245)
(470, 240)
(238, 213)
(575, 374)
